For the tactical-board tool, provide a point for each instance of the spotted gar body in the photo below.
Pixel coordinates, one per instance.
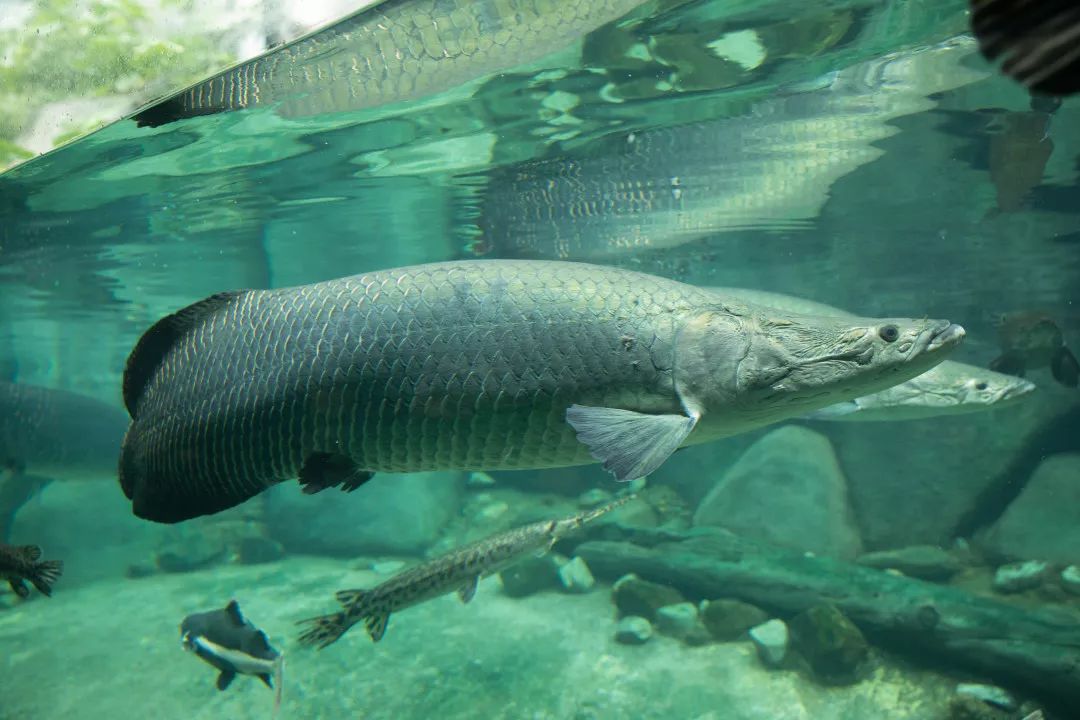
(470, 365)
(458, 570)
(395, 51)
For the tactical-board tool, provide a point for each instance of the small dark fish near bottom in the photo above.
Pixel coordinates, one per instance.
(20, 564)
(226, 640)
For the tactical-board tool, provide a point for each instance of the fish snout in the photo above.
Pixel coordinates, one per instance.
(945, 334)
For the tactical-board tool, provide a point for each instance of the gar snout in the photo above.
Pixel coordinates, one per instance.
(944, 334)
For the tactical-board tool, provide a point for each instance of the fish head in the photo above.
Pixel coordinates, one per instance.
(750, 360)
(984, 388)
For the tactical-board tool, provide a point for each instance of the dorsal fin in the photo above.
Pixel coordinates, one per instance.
(233, 610)
(160, 338)
(31, 553)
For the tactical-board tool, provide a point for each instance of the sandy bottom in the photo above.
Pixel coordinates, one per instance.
(111, 650)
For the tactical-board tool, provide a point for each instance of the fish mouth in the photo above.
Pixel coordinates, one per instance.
(947, 335)
(1017, 391)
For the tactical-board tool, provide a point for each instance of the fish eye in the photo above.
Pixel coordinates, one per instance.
(889, 333)
(981, 386)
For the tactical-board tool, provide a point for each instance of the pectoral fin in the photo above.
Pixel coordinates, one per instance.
(225, 679)
(376, 625)
(324, 470)
(1065, 368)
(19, 587)
(1010, 363)
(836, 411)
(630, 444)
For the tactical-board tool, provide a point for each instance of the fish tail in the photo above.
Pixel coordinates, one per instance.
(325, 629)
(45, 574)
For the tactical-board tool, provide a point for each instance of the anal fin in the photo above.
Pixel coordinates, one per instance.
(1065, 368)
(629, 444)
(225, 679)
(324, 470)
(468, 591)
(20, 588)
(376, 625)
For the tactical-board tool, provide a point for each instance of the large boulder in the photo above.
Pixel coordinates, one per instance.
(1043, 522)
(396, 514)
(787, 489)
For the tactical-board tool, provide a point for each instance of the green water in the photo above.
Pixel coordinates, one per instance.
(856, 153)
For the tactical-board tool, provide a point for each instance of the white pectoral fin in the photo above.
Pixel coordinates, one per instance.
(630, 444)
(837, 411)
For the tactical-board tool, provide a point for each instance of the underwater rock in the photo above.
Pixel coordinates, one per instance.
(1070, 579)
(634, 596)
(926, 562)
(728, 620)
(593, 497)
(531, 575)
(1031, 648)
(989, 694)
(1044, 521)
(670, 507)
(681, 621)
(633, 630)
(787, 489)
(771, 640)
(831, 644)
(477, 480)
(255, 549)
(576, 577)
(490, 511)
(389, 514)
(965, 707)
(139, 570)
(193, 551)
(635, 514)
(1018, 577)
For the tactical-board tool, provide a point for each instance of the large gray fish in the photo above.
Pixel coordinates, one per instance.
(458, 570)
(951, 388)
(48, 434)
(476, 365)
(393, 51)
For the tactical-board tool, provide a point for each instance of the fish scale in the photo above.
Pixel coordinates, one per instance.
(475, 365)
(533, 345)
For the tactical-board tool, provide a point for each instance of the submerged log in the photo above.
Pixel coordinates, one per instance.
(1037, 651)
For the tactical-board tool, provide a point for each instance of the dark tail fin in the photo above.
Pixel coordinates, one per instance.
(45, 574)
(325, 629)
(1038, 41)
(1065, 368)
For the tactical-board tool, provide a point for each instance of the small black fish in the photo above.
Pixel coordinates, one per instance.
(234, 646)
(19, 563)
(1040, 41)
